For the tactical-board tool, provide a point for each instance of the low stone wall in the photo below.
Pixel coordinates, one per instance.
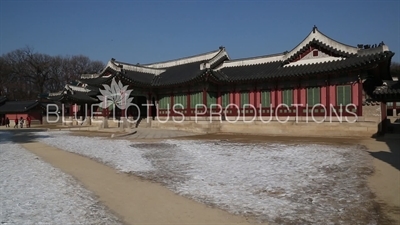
(269, 126)
(94, 122)
(290, 128)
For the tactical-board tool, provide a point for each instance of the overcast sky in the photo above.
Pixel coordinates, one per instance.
(152, 31)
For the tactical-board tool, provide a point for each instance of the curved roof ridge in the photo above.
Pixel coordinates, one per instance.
(218, 58)
(76, 88)
(315, 34)
(139, 68)
(185, 60)
(221, 53)
(314, 61)
(253, 60)
(89, 75)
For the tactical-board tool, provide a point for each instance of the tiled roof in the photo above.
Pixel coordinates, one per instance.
(370, 102)
(277, 69)
(323, 46)
(249, 72)
(98, 81)
(137, 77)
(178, 74)
(17, 106)
(336, 57)
(76, 97)
(389, 91)
(3, 99)
(317, 38)
(81, 97)
(162, 73)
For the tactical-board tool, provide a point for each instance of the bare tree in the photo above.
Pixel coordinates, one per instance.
(24, 73)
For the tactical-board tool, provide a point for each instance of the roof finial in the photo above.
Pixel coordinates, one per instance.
(314, 28)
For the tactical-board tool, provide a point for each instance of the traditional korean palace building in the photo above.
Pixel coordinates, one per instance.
(320, 74)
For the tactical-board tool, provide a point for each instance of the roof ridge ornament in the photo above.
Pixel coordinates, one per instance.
(314, 28)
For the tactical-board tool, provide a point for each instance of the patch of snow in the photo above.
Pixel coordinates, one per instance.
(276, 182)
(115, 153)
(34, 192)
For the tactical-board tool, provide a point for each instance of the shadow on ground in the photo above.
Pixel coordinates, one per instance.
(22, 135)
(392, 156)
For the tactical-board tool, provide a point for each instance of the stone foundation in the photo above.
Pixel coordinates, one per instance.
(290, 128)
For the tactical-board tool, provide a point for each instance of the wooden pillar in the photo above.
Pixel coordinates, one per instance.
(383, 118)
(157, 107)
(204, 96)
(253, 96)
(149, 115)
(88, 110)
(303, 96)
(189, 108)
(354, 93)
(295, 95)
(278, 97)
(360, 98)
(82, 111)
(219, 97)
(257, 100)
(237, 98)
(232, 96)
(273, 98)
(323, 96)
(171, 104)
(123, 113)
(63, 110)
(332, 95)
(328, 98)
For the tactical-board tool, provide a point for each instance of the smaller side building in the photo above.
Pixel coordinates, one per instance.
(388, 93)
(17, 109)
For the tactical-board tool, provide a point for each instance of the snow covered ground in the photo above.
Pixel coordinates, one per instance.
(276, 182)
(33, 192)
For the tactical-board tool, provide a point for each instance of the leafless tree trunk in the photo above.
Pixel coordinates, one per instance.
(24, 73)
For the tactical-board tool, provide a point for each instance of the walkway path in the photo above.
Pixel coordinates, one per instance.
(135, 201)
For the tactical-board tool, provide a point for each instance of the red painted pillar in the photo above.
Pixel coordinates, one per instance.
(273, 98)
(278, 97)
(237, 99)
(189, 108)
(253, 97)
(257, 99)
(232, 97)
(328, 100)
(354, 94)
(219, 97)
(303, 96)
(296, 95)
(323, 96)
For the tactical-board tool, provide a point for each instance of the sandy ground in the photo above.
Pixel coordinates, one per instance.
(137, 201)
(385, 182)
